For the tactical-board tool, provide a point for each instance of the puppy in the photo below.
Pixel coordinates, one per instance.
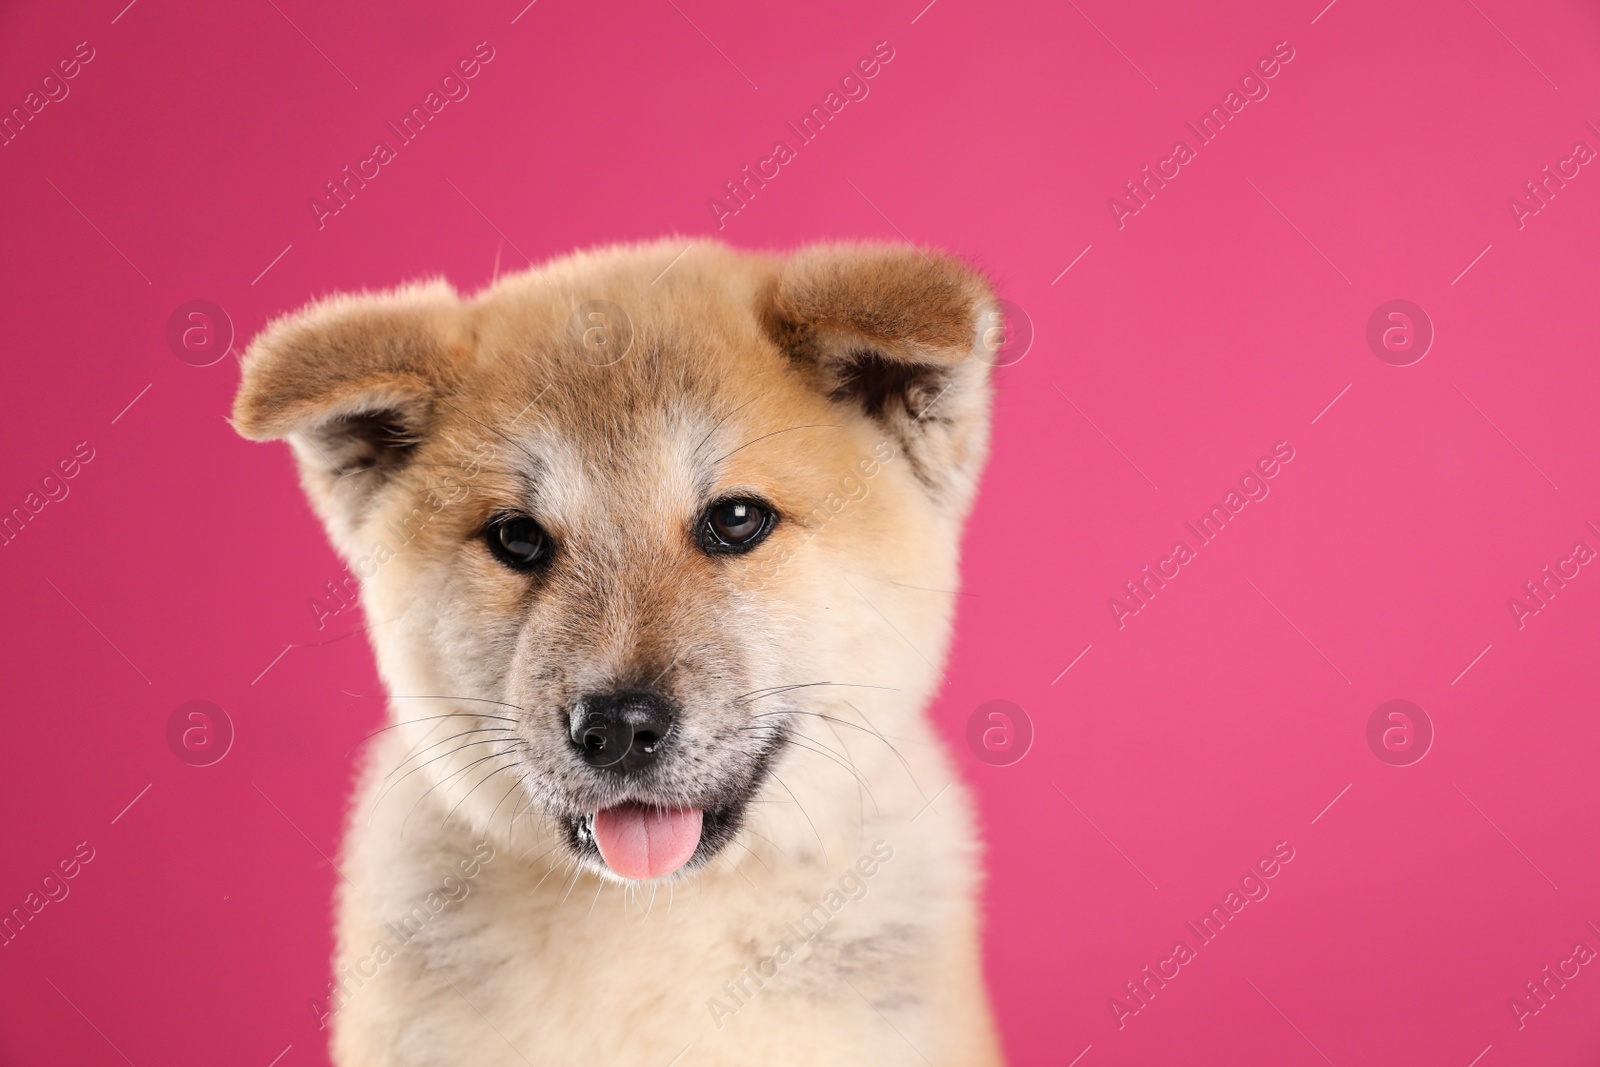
(658, 556)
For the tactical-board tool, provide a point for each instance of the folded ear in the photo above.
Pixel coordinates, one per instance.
(352, 383)
(904, 336)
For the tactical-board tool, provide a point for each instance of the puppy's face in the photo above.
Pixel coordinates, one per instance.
(614, 533)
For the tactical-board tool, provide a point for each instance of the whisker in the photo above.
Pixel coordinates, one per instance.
(513, 442)
(861, 803)
(869, 729)
(823, 844)
(773, 844)
(740, 870)
(720, 421)
(511, 824)
(879, 734)
(753, 856)
(443, 755)
(424, 718)
(419, 463)
(449, 814)
(506, 734)
(577, 873)
(450, 778)
(435, 759)
(774, 433)
(927, 589)
(829, 718)
(547, 874)
(523, 806)
(777, 689)
(423, 696)
(794, 739)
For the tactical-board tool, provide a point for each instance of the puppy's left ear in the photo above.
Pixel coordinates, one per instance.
(904, 337)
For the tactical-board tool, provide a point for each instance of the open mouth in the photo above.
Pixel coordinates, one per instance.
(642, 841)
(639, 842)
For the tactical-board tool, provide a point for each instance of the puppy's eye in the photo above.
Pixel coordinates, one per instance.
(517, 541)
(736, 525)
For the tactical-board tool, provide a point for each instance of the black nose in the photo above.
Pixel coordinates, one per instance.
(621, 732)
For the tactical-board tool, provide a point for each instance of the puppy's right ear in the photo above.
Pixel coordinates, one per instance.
(353, 382)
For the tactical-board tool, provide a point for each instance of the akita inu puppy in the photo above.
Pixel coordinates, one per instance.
(658, 553)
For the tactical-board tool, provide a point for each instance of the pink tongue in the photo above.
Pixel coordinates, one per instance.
(639, 842)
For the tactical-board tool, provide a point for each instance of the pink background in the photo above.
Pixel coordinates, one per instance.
(1224, 317)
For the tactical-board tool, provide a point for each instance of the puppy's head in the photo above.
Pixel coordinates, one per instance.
(620, 521)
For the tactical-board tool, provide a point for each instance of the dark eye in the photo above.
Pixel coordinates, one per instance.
(736, 525)
(517, 541)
